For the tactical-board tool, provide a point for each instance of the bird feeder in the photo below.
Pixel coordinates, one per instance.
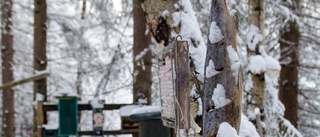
(97, 116)
(174, 87)
(68, 115)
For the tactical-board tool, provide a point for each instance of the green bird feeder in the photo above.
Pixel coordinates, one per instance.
(68, 116)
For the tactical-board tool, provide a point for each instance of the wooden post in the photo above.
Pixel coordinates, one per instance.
(40, 118)
(182, 84)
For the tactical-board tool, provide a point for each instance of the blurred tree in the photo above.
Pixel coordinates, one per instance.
(141, 55)
(288, 83)
(256, 28)
(40, 52)
(8, 122)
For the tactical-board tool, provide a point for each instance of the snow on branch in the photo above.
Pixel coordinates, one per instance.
(287, 129)
(253, 37)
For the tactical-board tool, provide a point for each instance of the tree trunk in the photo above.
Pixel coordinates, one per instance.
(229, 73)
(256, 18)
(141, 64)
(8, 129)
(40, 42)
(288, 84)
(39, 49)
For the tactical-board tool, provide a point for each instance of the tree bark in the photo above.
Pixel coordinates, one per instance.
(141, 66)
(39, 51)
(217, 53)
(8, 129)
(288, 84)
(256, 18)
(40, 44)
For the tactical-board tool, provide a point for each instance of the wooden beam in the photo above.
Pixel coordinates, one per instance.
(112, 132)
(115, 132)
(22, 81)
(182, 84)
(54, 107)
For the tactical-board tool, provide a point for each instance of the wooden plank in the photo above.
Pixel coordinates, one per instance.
(54, 107)
(40, 118)
(182, 84)
(22, 81)
(115, 132)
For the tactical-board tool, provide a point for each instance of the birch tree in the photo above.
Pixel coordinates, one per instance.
(8, 127)
(255, 41)
(288, 84)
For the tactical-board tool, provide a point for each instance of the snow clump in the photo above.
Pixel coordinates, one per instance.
(226, 130)
(257, 64)
(215, 34)
(210, 70)
(219, 97)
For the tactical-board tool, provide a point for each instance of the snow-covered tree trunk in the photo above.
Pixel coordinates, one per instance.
(141, 55)
(8, 126)
(39, 51)
(255, 41)
(288, 84)
(223, 83)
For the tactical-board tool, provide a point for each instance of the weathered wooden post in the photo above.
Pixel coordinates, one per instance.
(174, 78)
(40, 118)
